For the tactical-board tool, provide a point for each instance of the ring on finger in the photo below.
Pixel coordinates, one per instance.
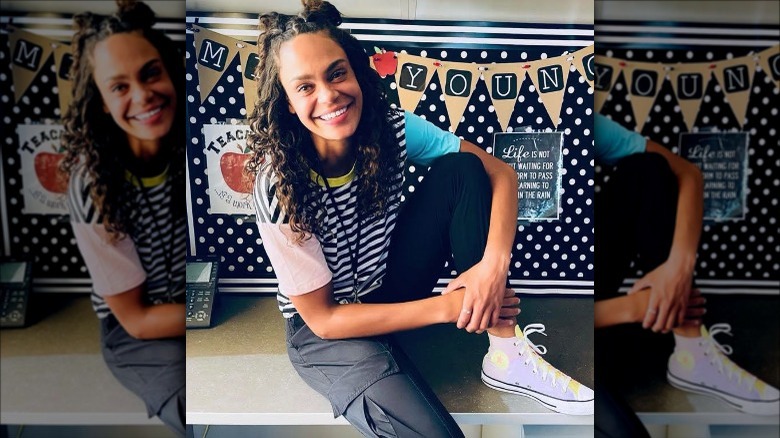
(466, 311)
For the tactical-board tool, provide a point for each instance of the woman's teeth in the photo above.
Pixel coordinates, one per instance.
(146, 115)
(333, 114)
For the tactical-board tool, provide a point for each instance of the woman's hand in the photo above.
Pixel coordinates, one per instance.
(670, 289)
(506, 315)
(694, 310)
(485, 288)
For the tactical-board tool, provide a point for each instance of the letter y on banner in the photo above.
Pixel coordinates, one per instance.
(412, 77)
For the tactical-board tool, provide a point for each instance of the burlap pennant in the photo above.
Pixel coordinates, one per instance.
(607, 71)
(249, 60)
(63, 60)
(458, 80)
(644, 80)
(503, 83)
(412, 77)
(735, 77)
(29, 52)
(769, 60)
(214, 53)
(584, 60)
(549, 77)
(689, 82)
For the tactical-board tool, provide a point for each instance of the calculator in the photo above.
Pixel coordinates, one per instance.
(201, 289)
(16, 284)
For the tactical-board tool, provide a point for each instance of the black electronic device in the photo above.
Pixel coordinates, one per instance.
(16, 286)
(201, 289)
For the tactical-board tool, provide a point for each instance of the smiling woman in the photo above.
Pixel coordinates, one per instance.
(124, 142)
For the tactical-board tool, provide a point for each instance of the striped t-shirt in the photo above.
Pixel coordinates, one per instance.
(154, 255)
(327, 256)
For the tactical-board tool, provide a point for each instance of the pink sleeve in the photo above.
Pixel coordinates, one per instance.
(114, 268)
(300, 269)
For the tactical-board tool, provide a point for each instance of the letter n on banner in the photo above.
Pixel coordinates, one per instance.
(549, 77)
(689, 81)
(769, 60)
(644, 80)
(607, 71)
(460, 79)
(29, 52)
(249, 60)
(412, 77)
(735, 76)
(215, 52)
(503, 83)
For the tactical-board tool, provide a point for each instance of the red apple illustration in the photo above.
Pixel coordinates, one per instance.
(384, 62)
(232, 166)
(47, 169)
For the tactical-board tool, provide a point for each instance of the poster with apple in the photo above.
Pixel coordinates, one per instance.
(43, 185)
(230, 189)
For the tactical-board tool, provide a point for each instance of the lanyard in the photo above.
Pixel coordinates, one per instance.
(354, 254)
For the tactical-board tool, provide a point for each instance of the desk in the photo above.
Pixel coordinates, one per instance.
(238, 372)
(53, 371)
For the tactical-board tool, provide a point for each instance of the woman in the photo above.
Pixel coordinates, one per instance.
(354, 265)
(124, 140)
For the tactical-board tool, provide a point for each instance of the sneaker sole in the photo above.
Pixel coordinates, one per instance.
(557, 405)
(768, 407)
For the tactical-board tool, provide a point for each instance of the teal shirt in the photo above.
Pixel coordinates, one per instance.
(425, 141)
(613, 141)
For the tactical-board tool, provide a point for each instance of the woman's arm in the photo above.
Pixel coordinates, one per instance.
(485, 282)
(145, 321)
(329, 320)
(633, 309)
(670, 283)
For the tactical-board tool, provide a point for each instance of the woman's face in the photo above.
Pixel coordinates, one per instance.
(135, 86)
(321, 87)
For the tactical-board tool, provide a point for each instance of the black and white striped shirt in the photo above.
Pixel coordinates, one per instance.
(153, 255)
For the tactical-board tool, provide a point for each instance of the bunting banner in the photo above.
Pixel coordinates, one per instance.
(734, 77)
(689, 81)
(214, 53)
(769, 60)
(503, 83)
(412, 77)
(63, 60)
(249, 60)
(607, 71)
(549, 77)
(458, 82)
(29, 52)
(584, 60)
(644, 80)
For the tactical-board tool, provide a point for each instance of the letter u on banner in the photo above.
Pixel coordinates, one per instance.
(412, 77)
(459, 82)
(503, 83)
(689, 81)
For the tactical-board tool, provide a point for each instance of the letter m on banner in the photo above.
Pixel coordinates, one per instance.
(27, 55)
(213, 55)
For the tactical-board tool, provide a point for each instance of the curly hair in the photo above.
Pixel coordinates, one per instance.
(91, 137)
(281, 144)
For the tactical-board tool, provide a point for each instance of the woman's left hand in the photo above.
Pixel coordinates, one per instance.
(670, 288)
(485, 285)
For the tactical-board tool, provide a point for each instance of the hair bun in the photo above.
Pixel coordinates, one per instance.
(135, 13)
(322, 12)
(271, 21)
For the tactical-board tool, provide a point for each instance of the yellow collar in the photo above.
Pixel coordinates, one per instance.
(150, 181)
(333, 182)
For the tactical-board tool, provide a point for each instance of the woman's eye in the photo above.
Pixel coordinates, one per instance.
(118, 88)
(304, 88)
(338, 74)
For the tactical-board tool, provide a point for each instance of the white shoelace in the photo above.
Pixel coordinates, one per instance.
(534, 358)
(717, 353)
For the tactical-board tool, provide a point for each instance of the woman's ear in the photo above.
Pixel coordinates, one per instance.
(290, 107)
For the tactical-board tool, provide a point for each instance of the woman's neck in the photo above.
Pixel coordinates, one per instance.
(146, 158)
(336, 157)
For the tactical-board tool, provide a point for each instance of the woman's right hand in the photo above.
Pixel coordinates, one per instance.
(509, 307)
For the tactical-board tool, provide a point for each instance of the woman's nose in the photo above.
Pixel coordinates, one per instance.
(142, 93)
(328, 94)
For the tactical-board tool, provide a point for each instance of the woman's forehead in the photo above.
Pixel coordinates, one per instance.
(308, 53)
